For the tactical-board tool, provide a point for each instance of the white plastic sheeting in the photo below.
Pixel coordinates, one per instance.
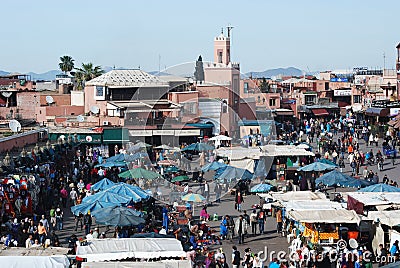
(296, 196)
(325, 216)
(390, 217)
(158, 264)
(375, 199)
(34, 261)
(245, 164)
(141, 248)
(312, 205)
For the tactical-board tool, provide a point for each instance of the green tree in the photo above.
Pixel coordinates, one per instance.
(86, 73)
(66, 64)
(264, 85)
(199, 71)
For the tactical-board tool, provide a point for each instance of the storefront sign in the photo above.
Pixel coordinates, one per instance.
(342, 92)
(140, 133)
(164, 132)
(187, 132)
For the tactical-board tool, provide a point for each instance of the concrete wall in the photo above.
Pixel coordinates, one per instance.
(78, 98)
(19, 140)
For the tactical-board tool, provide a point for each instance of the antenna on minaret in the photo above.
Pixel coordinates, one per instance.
(222, 30)
(229, 28)
(384, 61)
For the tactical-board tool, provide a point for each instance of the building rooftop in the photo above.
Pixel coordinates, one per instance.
(127, 78)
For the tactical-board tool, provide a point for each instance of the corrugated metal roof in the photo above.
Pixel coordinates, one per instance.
(127, 78)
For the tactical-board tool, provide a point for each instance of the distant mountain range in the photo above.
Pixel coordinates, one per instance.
(290, 71)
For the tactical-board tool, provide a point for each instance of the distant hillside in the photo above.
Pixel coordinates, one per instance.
(3, 73)
(291, 71)
(50, 75)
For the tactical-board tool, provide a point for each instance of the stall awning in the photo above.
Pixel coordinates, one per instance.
(283, 112)
(320, 111)
(115, 135)
(325, 216)
(382, 112)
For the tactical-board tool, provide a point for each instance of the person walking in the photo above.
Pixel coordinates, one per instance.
(253, 222)
(87, 220)
(278, 216)
(239, 200)
(59, 219)
(261, 221)
(206, 190)
(241, 228)
(235, 257)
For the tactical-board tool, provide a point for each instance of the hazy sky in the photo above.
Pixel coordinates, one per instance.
(314, 35)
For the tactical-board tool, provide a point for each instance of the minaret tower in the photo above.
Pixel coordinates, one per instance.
(222, 48)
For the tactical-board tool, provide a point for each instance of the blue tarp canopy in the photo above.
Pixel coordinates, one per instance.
(198, 147)
(261, 188)
(102, 185)
(337, 178)
(109, 164)
(380, 187)
(106, 196)
(317, 166)
(84, 208)
(134, 192)
(231, 173)
(118, 216)
(326, 161)
(213, 166)
(116, 158)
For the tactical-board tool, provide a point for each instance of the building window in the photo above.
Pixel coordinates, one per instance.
(310, 99)
(258, 99)
(263, 100)
(246, 87)
(272, 102)
(357, 99)
(220, 57)
(99, 91)
(224, 108)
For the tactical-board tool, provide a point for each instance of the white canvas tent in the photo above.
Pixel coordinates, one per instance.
(375, 199)
(158, 264)
(294, 205)
(284, 150)
(238, 153)
(390, 217)
(140, 248)
(325, 216)
(34, 261)
(295, 196)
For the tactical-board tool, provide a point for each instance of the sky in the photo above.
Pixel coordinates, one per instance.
(314, 35)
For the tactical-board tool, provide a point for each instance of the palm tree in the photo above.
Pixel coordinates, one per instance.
(86, 73)
(66, 64)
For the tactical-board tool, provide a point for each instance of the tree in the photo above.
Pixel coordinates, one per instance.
(264, 86)
(199, 71)
(86, 73)
(66, 64)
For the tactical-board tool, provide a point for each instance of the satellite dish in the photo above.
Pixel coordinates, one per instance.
(6, 94)
(95, 109)
(80, 118)
(14, 125)
(49, 99)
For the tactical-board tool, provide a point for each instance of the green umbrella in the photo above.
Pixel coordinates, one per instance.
(139, 173)
(180, 178)
(171, 169)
